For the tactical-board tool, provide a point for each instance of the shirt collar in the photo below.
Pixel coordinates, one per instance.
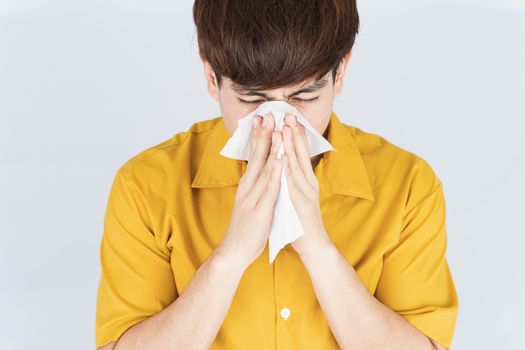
(344, 168)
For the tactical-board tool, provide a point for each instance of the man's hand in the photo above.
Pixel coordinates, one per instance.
(303, 186)
(252, 213)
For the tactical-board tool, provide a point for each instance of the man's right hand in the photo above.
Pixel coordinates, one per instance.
(252, 212)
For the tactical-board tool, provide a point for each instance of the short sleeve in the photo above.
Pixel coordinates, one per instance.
(416, 281)
(136, 278)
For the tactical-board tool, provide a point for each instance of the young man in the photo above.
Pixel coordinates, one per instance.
(184, 253)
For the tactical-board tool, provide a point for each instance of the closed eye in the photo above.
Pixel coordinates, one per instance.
(310, 100)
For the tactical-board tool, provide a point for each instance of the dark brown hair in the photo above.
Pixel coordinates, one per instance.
(268, 44)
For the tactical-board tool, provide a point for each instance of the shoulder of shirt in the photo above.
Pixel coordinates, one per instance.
(389, 165)
(155, 155)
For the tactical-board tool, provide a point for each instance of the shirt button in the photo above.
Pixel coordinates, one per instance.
(285, 313)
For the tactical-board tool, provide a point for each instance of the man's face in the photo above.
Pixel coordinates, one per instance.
(314, 99)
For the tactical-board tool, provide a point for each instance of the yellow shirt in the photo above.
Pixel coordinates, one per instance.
(169, 206)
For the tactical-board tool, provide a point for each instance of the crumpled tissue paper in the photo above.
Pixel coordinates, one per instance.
(286, 226)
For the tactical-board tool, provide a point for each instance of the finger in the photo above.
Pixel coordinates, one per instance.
(256, 125)
(273, 185)
(300, 145)
(261, 140)
(297, 175)
(262, 182)
(259, 152)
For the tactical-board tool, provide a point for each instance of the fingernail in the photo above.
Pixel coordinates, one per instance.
(254, 122)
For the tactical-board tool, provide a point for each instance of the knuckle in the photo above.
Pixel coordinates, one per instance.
(258, 157)
(240, 193)
(266, 170)
(244, 202)
(314, 196)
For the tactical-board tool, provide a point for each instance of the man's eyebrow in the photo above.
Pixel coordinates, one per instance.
(319, 84)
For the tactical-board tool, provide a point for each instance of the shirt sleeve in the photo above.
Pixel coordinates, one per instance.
(416, 281)
(136, 277)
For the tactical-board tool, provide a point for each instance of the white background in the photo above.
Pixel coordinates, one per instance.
(85, 85)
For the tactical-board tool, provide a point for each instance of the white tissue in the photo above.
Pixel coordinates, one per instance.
(286, 226)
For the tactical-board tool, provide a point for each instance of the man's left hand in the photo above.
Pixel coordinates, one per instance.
(303, 187)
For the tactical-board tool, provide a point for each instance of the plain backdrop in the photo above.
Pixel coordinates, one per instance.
(86, 85)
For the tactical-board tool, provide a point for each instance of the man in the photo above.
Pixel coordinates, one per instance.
(184, 253)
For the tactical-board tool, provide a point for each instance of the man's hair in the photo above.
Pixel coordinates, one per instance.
(268, 44)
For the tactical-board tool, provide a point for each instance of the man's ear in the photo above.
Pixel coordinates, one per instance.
(211, 80)
(340, 74)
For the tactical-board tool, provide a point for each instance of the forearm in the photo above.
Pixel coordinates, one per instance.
(192, 321)
(357, 319)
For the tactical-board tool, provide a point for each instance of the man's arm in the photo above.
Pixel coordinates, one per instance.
(357, 319)
(415, 278)
(194, 318)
